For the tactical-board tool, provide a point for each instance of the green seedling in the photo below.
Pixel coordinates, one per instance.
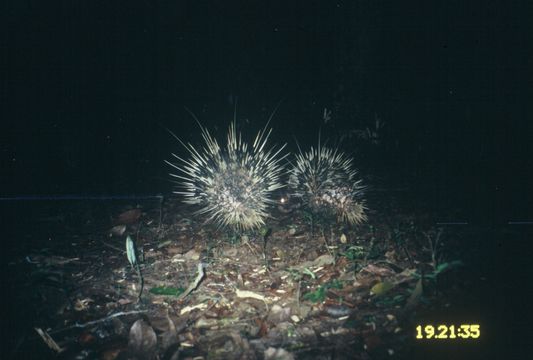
(131, 253)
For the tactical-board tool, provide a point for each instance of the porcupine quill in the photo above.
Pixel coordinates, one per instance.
(233, 185)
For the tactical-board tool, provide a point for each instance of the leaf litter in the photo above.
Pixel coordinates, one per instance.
(210, 298)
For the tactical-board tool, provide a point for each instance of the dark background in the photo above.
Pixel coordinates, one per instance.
(89, 87)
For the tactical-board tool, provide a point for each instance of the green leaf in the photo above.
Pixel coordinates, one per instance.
(310, 273)
(381, 288)
(448, 265)
(265, 231)
(164, 243)
(431, 276)
(354, 252)
(130, 251)
(334, 284)
(164, 290)
(398, 298)
(318, 295)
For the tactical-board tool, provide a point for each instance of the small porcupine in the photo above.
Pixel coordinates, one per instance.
(232, 185)
(324, 180)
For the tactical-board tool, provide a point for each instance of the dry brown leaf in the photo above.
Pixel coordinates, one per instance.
(118, 230)
(277, 354)
(142, 340)
(129, 217)
(187, 309)
(123, 301)
(376, 270)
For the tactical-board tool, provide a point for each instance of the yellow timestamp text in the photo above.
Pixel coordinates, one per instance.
(465, 331)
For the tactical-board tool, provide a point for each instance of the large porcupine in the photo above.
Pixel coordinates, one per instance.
(324, 180)
(232, 185)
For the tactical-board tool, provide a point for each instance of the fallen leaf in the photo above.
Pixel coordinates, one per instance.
(191, 255)
(249, 294)
(80, 305)
(118, 230)
(124, 301)
(381, 271)
(277, 354)
(142, 340)
(164, 243)
(343, 239)
(187, 309)
(278, 314)
(129, 217)
(322, 260)
(169, 337)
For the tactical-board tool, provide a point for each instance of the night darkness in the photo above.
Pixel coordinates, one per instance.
(89, 89)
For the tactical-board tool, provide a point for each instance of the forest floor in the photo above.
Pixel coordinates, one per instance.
(295, 291)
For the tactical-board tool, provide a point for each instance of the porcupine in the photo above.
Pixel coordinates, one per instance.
(325, 182)
(233, 185)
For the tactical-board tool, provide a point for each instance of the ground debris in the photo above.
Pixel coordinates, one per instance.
(291, 297)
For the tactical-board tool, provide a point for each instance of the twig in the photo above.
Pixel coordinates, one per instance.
(298, 297)
(434, 246)
(141, 280)
(194, 284)
(90, 323)
(327, 245)
(48, 340)
(250, 247)
(112, 246)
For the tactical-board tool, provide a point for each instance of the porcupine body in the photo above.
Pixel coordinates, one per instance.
(326, 183)
(232, 185)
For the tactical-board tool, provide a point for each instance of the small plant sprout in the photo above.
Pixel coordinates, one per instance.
(132, 258)
(435, 244)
